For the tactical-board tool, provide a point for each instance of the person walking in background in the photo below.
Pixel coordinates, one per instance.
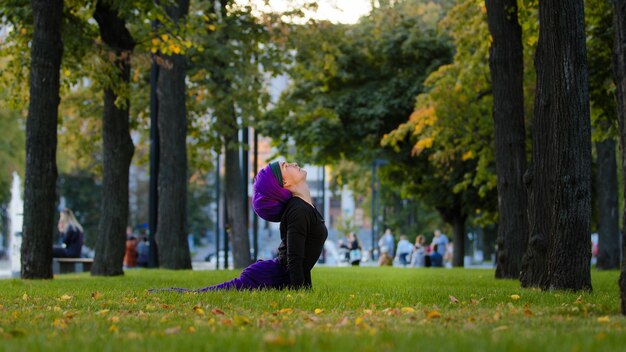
(354, 249)
(441, 240)
(130, 257)
(418, 257)
(143, 252)
(436, 259)
(72, 236)
(404, 250)
(447, 258)
(385, 259)
(389, 242)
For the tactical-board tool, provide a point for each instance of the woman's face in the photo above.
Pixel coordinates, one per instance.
(292, 173)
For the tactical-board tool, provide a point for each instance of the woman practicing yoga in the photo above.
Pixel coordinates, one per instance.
(281, 194)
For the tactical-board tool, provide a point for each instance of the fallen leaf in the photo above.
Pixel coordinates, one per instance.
(198, 310)
(278, 340)
(173, 330)
(113, 328)
(454, 300)
(191, 329)
(102, 312)
(96, 295)
(515, 297)
(286, 311)
(241, 320)
(433, 314)
(25, 297)
(604, 319)
(500, 328)
(318, 311)
(66, 297)
(217, 311)
(408, 310)
(114, 319)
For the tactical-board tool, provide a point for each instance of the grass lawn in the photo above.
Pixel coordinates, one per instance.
(349, 309)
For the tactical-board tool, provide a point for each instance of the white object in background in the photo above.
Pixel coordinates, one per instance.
(16, 219)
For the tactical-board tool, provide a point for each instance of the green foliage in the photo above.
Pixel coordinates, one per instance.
(600, 36)
(362, 308)
(354, 83)
(12, 150)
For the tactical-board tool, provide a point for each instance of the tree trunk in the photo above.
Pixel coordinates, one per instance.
(172, 214)
(41, 140)
(608, 218)
(619, 70)
(560, 201)
(456, 217)
(117, 149)
(507, 73)
(235, 203)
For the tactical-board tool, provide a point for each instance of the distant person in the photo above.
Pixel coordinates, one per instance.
(130, 257)
(72, 236)
(404, 250)
(385, 259)
(418, 257)
(441, 240)
(143, 252)
(449, 256)
(389, 242)
(354, 250)
(436, 259)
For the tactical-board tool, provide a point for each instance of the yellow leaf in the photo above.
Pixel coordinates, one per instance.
(604, 319)
(23, 31)
(198, 310)
(57, 308)
(66, 297)
(211, 27)
(285, 311)
(318, 311)
(191, 329)
(113, 328)
(433, 314)
(407, 310)
(114, 319)
(25, 297)
(150, 307)
(96, 295)
(241, 320)
(515, 297)
(102, 312)
(164, 37)
(467, 155)
(155, 42)
(358, 321)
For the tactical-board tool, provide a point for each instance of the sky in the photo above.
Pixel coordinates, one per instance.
(337, 11)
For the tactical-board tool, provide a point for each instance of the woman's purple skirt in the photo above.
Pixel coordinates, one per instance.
(260, 275)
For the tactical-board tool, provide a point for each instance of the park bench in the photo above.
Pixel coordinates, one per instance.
(71, 265)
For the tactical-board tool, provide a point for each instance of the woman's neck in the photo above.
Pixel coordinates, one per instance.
(302, 191)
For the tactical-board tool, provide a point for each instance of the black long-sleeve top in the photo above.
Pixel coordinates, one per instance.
(73, 239)
(303, 233)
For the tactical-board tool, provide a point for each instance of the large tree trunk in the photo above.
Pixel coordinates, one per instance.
(235, 202)
(608, 214)
(172, 214)
(118, 150)
(619, 69)
(41, 140)
(507, 73)
(560, 202)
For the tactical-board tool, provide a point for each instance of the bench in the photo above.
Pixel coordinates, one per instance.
(71, 265)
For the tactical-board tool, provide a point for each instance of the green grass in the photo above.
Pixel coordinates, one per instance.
(350, 309)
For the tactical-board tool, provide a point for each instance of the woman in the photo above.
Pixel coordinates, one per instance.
(354, 247)
(281, 194)
(418, 257)
(72, 234)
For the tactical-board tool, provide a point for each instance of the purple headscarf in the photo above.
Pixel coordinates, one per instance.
(270, 198)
